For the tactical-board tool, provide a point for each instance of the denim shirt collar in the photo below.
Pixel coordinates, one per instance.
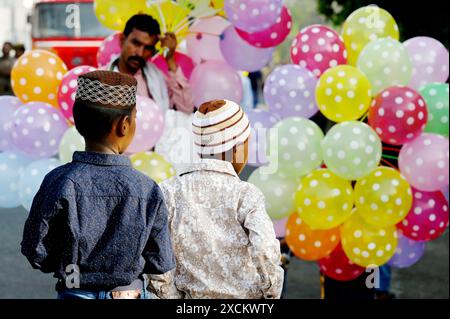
(101, 159)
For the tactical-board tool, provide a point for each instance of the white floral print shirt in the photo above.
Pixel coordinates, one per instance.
(224, 242)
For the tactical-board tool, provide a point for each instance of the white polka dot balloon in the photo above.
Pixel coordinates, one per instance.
(367, 245)
(351, 150)
(31, 179)
(428, 218)
(318, 48)
(37, 129)
(8, 105)
(12, 164)
(289, 91)
(383, 198)
(253, 15)
(295, 146)
(425, 162)
(430, 61)
(408, 252)
(68, 89)
(398, 115)
(386, 63)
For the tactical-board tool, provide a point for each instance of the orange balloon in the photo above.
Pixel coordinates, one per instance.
(307, 243)
(36, 77)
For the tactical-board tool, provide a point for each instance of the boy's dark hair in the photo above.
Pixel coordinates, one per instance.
(94, 122)
(142, 22)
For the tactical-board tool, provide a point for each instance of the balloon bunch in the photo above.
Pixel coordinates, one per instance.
(370, 190)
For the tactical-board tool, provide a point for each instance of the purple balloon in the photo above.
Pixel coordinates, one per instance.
(408, 252)
(430, 61)
(8, 105)
(261, 121)
(241, 55)
(290, 91)
(253, 15)
(215, 80)
(38, 129)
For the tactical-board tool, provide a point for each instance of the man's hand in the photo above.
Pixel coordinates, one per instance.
(169, 41)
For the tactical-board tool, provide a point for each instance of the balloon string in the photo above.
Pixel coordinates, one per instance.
(390, 157)
(389, 164)
(364, 117)
(206, 33)
(390, 149)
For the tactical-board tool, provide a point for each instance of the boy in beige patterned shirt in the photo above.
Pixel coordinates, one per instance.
(224, 242)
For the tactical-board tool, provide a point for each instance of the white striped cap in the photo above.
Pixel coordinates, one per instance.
(219, 131)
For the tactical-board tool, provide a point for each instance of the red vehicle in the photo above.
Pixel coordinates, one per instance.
(68, 28)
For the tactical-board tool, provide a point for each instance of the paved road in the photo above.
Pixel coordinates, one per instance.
(427, 279)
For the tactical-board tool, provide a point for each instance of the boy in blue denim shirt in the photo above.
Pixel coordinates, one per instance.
(96, 223)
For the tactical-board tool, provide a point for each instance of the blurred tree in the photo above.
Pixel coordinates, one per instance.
(421, 18)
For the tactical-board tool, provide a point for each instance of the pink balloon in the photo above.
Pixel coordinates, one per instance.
(398, 115)
(203, 42)
(149, 125)
(184, 62)
(428, 217)
(318, 48)
(280, 227)
(109, 50)
(38, 129)
(68, 89)
(8, 105)
(424, 162)
(213, 80)
(430, 61)
(273, 36)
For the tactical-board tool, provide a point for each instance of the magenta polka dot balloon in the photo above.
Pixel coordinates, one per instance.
(425, 161)
(253, 15)
(428, 217)
(398, 114)
(109, 50)
(38, 129)
(318, 48)
(68, 90)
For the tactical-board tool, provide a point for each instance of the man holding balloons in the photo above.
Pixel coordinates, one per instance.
(172, 93)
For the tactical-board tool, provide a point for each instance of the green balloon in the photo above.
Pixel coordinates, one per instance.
(386, 63)
(278, 190)
(72, 141)
(436, 96)
(294, 146)
(352, 150)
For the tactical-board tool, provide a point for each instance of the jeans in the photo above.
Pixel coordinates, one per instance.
(90, 294)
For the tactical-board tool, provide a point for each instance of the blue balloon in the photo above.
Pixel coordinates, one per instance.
(31, 179)
(12, 164)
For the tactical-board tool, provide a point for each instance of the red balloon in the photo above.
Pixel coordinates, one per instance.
(428, 217)
(318, 48)
(273, 36)
(338, 267)
(398, 115)
(184, 62)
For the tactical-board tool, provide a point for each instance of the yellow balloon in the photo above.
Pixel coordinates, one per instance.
(383, 197)
(218, 5)
(365, 25)
(153, 165)
(36, 77)
(171, 17)
(114, 14)
(343, 93)
(324, 200)
(367, 245)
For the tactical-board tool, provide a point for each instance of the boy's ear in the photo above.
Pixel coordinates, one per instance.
(123, 125)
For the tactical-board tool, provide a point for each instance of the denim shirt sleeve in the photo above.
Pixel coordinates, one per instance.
(40, 230)
(158, 252)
